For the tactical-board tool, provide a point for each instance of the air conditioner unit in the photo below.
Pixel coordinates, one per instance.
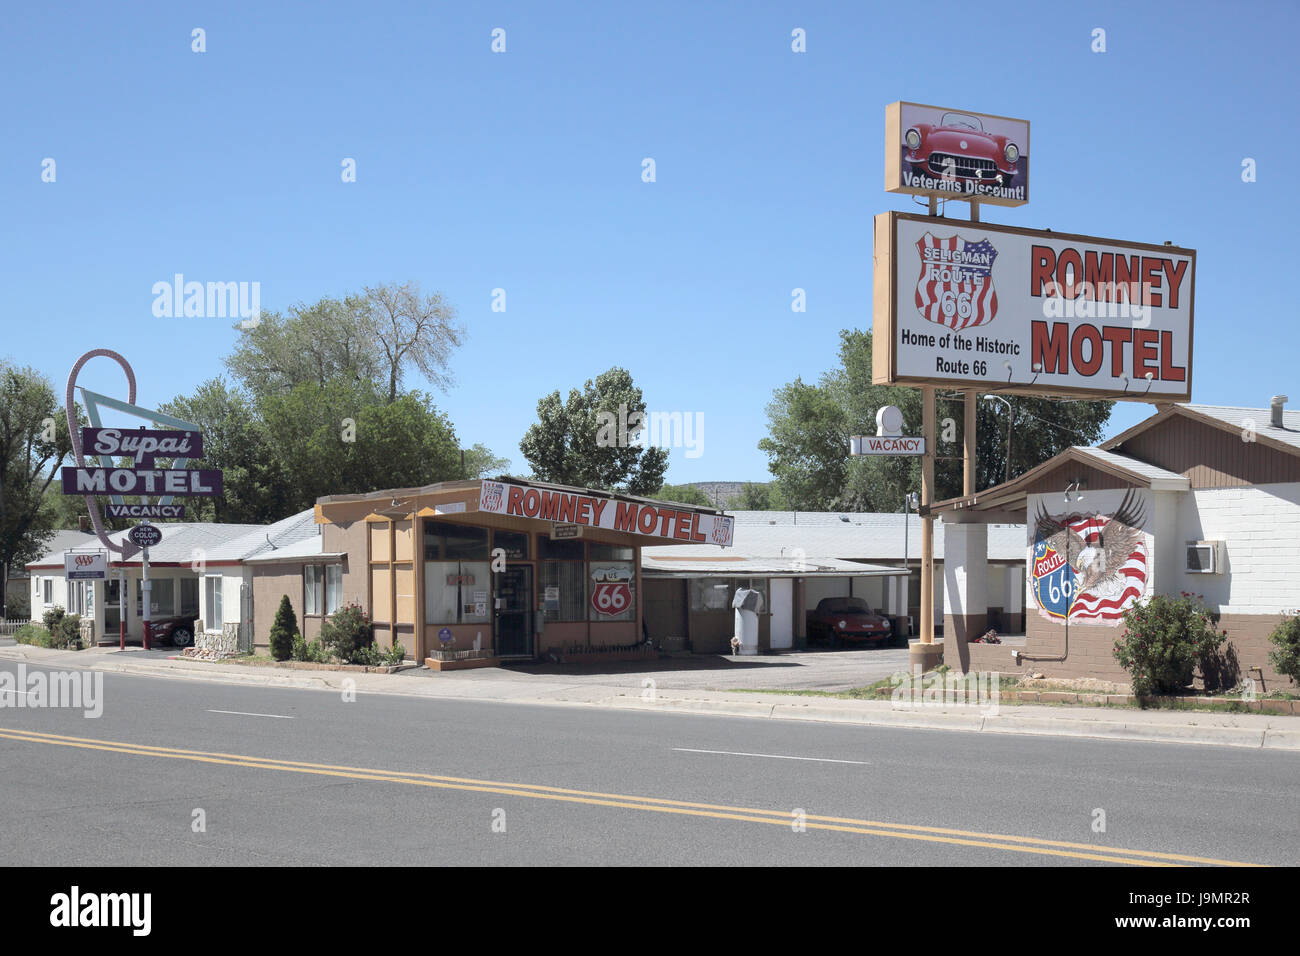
(1204, 557)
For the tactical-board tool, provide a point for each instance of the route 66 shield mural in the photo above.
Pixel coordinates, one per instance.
(1090, 567)
(955, 287)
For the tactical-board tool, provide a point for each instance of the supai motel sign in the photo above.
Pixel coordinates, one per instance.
(595, 511)
(143, 446)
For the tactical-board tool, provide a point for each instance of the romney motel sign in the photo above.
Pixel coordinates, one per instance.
(976, 305)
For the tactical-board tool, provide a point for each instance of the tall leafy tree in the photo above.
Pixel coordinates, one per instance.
(684, 494)
(235, 440)
(592, 439)
(374, 337)
(34, 442)
(480, 462)
(810, 427)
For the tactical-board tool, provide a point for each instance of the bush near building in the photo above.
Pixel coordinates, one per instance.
(63, 629)
(1165, 639)
(283, 630)
(347, 635)
(1286, 658)
(33, 634)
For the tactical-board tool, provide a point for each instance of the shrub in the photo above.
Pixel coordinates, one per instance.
(67, 633)
(347, 633)
(33, 634)
(396, 654)
(52, 617)
(299, 652)
(1286, 658)
(1165, 639)
(283, 629)
(18, 607)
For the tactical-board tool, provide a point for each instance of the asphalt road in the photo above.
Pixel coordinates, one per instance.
(302, 777)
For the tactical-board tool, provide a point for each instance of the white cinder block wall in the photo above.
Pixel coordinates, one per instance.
(1260, 528)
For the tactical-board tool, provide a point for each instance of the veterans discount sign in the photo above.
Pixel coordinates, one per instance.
(1033, 312)
(594, 511)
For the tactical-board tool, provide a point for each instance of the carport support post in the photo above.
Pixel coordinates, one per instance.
(925, 653)
(145, 587)
(121, 608)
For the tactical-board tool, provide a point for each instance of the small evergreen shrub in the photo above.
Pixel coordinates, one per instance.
(33, 634)
(283, 630)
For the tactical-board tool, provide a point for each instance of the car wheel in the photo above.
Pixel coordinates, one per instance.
(182, 637)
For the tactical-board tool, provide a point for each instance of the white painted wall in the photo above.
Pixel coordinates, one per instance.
(1260, 528)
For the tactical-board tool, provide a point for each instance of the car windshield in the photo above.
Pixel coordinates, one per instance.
(963, 121)
(846, 606)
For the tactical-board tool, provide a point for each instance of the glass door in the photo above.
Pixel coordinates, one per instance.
(514, 616)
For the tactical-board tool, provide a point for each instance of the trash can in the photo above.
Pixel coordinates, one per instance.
(747, 604)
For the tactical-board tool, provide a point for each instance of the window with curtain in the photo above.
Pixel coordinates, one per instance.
(312, 596)
(457, 592)
(569, 578)
(333, 588)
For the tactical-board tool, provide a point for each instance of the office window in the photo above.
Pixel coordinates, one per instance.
(212, 616)
(457, 592)
(47, 586)
(189, 606)
(444, 541)
(322, 588)
(161, 597)
(568, 602)
(514, 544)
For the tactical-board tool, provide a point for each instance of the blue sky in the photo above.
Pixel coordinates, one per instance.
(522, 171)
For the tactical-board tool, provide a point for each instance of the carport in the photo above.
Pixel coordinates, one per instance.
(688, 597)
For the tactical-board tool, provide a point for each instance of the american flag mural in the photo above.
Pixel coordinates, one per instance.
(955, 287)
(1090, 566)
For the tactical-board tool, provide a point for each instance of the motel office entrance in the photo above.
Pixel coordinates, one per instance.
(514, 614)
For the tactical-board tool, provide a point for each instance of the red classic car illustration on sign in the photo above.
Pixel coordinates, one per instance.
(956, 154)
(1091, 567)
(955, 287)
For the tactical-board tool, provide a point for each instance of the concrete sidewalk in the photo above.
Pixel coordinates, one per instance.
(1262, 731)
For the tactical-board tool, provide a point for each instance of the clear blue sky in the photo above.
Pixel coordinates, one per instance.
(522, 171)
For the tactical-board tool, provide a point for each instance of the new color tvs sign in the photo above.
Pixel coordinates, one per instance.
(1031, 312)
(564, 507)
(955, 154)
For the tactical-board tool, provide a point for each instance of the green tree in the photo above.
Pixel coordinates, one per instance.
(343, 439)
(683, 494)
(758, 496)
(810, 427)
(235, 441)
(283, 630)
(372, 338)
(593, 439)
(480, 462)
(34, 442)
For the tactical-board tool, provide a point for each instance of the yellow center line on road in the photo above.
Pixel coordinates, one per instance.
(784, 818)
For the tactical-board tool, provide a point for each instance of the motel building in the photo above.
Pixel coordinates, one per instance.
(513, 569)
(1197, 498)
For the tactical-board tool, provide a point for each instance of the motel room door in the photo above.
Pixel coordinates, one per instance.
(514, 617)
(782, 620)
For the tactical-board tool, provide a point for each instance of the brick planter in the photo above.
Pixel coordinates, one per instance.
(460, 660)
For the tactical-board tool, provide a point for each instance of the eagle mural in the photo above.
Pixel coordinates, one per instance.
(1090, 567)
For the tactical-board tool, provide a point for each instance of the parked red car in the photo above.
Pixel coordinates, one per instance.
(841, 619)
(178, 630)
(959, 148)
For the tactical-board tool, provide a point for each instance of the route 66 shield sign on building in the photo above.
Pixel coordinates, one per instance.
(955, 287)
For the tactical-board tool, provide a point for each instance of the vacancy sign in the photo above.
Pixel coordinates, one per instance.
(873, 445)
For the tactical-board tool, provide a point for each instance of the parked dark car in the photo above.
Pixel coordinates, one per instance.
(848, 619)
(178, 630)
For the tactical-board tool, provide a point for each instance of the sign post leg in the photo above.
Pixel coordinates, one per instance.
(926, 652)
